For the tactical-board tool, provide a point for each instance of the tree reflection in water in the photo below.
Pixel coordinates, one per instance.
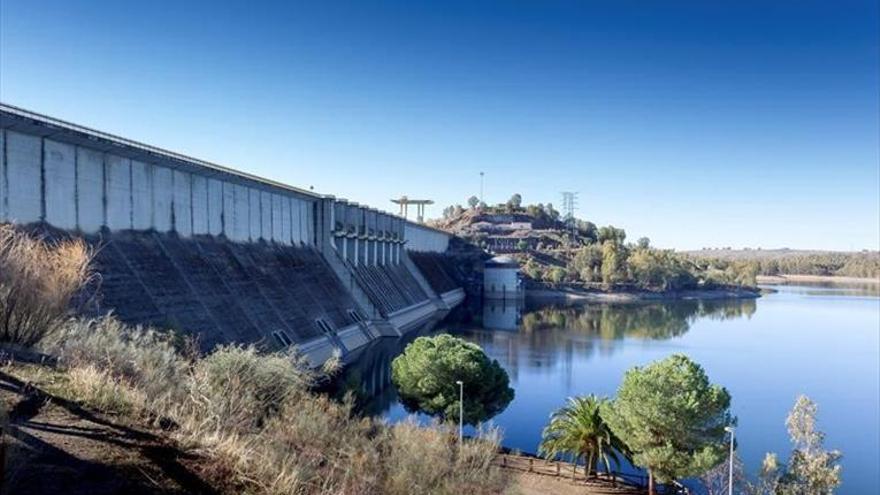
(547, 333)
(551, 332)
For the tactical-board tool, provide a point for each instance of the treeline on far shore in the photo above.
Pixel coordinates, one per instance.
(863, 264)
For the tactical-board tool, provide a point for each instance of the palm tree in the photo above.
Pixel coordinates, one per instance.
(578, 430)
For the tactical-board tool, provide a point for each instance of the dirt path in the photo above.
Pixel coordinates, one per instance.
(534, 476)
(55, 446)
(539, 484)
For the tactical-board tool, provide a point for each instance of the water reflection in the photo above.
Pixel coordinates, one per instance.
(535, 336)
(828, 288)
(502, 315)
(368, 378)
(557, 334)
(765, 358)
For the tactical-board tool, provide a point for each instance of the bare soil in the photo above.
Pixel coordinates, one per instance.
(522, 483)
(53, 445)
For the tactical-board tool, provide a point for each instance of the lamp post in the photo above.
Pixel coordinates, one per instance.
(460, 412)
(731, 430)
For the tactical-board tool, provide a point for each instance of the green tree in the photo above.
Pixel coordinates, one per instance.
(588, 230)
(611, 233)
(535, 211)
(643, 243)
(426, 373)
(556, 275)
(812, 470)
(613, 262)
(515, 202)
(551, 212)
(815, 469)
(579, 431)
(671, 418)
(532, 270)
(473, 201)
(586, 262)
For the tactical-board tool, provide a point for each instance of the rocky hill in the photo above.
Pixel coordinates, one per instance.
(575, 253)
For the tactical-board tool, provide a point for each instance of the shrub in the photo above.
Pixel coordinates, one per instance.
(38, 280)
(141, 357)
(236, 388)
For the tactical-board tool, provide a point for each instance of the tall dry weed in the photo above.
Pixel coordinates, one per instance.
(38, 280)
(420, 459)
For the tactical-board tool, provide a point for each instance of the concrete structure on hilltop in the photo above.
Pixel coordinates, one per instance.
(206, 249)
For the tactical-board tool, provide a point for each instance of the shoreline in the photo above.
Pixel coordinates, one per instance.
(574, 295)
(787, 279)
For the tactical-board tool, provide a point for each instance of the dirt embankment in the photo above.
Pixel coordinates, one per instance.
(53, 445)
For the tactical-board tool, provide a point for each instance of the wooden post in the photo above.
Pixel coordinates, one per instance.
(503, 460)
(531, 464)
(557, 468)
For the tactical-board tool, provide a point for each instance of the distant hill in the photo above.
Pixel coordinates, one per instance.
(757, 254)
(865, 264)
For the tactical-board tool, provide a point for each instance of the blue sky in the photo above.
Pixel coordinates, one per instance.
(705, 123)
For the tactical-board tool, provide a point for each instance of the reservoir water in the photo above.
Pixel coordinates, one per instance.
(818, 340)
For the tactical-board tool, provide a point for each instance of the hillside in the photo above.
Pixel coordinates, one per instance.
(576, 253)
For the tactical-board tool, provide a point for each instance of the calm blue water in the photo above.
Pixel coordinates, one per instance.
(822, 341)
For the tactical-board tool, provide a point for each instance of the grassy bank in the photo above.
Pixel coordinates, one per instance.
(253, 419)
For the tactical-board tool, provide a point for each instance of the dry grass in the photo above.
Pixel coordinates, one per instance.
(98, 389)
(256, 418)
(38, 280)
(428, 460)
(253, 415)
(142, 358)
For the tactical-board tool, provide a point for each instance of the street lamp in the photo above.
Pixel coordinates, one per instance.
(731, 430)
(460, 412)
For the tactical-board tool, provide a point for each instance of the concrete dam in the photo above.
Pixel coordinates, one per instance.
(189, 245)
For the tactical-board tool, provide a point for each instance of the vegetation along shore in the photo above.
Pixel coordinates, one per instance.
(101, 406)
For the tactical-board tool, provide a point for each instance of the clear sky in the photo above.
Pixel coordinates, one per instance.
(704, 123)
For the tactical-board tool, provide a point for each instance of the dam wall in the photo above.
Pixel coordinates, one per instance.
(77, 179)
(424, 239)
(204, 249)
